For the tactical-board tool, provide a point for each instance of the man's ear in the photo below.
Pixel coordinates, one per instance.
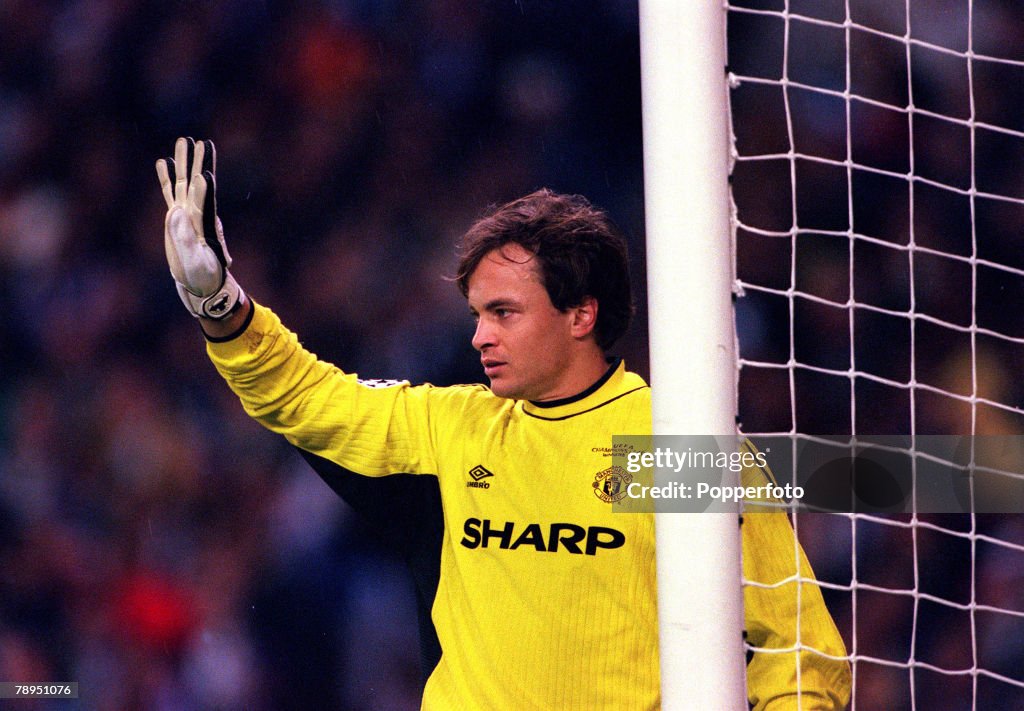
(584, 317)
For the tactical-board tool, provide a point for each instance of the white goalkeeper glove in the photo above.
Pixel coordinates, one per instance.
(193, 235)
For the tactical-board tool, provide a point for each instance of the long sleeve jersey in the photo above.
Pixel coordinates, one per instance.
(546, 597)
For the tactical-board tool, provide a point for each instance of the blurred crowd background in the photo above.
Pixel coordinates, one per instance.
(155, 545)
(166, 553)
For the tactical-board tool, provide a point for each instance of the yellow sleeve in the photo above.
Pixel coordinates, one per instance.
(371, 430)
(784, 615)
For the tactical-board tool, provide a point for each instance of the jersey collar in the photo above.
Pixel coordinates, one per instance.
(615, 383)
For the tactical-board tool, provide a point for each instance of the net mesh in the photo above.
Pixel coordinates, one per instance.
(878, 201)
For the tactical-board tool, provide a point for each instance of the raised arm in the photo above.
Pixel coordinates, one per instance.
(317, 407)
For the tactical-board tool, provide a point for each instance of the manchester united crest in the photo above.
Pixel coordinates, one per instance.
(610, 484)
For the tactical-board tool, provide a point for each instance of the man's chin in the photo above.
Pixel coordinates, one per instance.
(502, 388)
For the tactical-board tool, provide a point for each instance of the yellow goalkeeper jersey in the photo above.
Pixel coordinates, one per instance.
(546, 599)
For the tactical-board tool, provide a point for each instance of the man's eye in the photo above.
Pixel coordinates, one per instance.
(501, 313)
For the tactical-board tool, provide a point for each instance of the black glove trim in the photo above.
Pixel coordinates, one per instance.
(240, 330)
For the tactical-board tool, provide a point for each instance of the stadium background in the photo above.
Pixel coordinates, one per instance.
(155, 545)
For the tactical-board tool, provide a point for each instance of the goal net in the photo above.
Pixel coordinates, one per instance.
(878, 220)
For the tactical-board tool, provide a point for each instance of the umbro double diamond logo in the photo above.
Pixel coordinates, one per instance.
(477, 474)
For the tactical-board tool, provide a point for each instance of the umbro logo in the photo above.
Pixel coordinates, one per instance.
(478, 473)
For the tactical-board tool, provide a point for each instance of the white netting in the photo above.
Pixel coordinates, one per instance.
(878, 189)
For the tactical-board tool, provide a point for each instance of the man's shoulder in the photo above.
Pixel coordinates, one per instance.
(633, 380)
(633, 385)
(470, 396)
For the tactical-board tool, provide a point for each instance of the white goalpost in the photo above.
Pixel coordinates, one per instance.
(689, 272)
(856, 177)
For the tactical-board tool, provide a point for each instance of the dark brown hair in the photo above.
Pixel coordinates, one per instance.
(579, 250)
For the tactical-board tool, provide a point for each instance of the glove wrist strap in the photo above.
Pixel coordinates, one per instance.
(217, 305)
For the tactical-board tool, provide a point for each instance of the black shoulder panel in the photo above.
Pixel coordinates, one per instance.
(405, 510)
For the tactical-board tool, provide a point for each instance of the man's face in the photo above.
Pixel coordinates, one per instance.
(525, 343)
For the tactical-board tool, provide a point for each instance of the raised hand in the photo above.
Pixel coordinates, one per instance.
(193, 235)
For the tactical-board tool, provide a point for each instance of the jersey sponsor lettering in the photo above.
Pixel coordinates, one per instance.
(549, 538)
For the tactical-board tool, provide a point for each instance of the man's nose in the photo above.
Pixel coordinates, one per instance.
(484, 335)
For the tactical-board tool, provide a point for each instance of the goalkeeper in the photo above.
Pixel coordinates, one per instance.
(545, 598)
